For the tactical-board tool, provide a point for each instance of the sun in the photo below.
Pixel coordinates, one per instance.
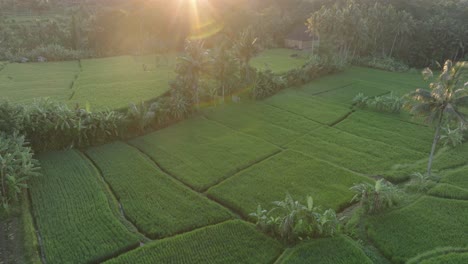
(204, 19)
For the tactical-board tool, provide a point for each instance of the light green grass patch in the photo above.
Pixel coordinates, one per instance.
(202, 153)
(22, 82)
(279, 60)
(359, 154)
(346, 94)
(231, 242)
(158, 205)
(451, 258)
(72, 212)
(288, 172)
(264, 121)
(311, 107)
(336, 250)
(388, 129)
(117, 81)
(427, 224)
(457, 177)
(449, 191)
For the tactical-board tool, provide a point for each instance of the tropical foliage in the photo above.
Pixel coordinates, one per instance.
(385, 103)
(292, 221)
(17, 166)
(374, 198)
(443, 102)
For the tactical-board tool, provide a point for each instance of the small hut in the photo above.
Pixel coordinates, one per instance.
(300, 38)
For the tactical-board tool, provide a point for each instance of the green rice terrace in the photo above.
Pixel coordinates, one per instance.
(233, 132)
(184, 194)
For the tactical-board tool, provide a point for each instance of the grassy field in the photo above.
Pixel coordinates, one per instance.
(425, 225)
(22, 82)
(279, 60)
(288, 172)
(117, 81)
(72, 212)
(183, 185)
(202, 153)
(337, 250)
(147, 194)
(107, 83)
(229, 242)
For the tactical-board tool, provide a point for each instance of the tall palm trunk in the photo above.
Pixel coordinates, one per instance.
(434, 145)
(393, 44)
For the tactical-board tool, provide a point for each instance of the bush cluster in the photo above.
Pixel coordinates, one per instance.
(382, 63)
(292, 221)
(16, 167)
(267, 83)
(385, 103)
(52, 52)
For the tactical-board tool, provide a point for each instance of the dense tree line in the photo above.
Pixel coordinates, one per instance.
(417, 32)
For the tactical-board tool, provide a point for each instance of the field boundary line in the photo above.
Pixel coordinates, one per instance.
(72, 86)
(169, 237)
(334, 89)
(291, 112)
(36, 229)
(341, 119)
(171, 176)
(251, 164)
(120, 208)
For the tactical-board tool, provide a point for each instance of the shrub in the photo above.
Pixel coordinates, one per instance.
(377, 197)
(52, 125)
(16, 167)
(385, 103)
(52, 52)
(453, 137)
(11, 117)
(267, 84)
(292, 221)
(422, 182)
(382, 63)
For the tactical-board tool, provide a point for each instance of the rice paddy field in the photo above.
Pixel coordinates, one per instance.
(109, 83)
(183, 194)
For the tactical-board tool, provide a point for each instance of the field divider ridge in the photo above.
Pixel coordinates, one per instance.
(232, 210)
(36, 229)
(341, 119)
(120, 207)
(165, 238)
(291, 112)
(247, 166)
(334, 89)
(72, 86)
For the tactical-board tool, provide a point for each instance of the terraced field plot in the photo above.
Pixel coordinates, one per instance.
(252, 153)
(288, 172)
(425, 225)
(153, 201)
(338, 250)
(388, 129)
(117, 81)
(261, 120)
(356, 153)
(22, 82)
(202, 153)
(230, 242)
(72, 212)
(310, 107)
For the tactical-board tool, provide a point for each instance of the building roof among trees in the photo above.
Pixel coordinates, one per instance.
(301, 33)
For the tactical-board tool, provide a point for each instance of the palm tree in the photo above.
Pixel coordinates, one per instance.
(193, 64)
(224, 67)
(443, 100)
(246, 48)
